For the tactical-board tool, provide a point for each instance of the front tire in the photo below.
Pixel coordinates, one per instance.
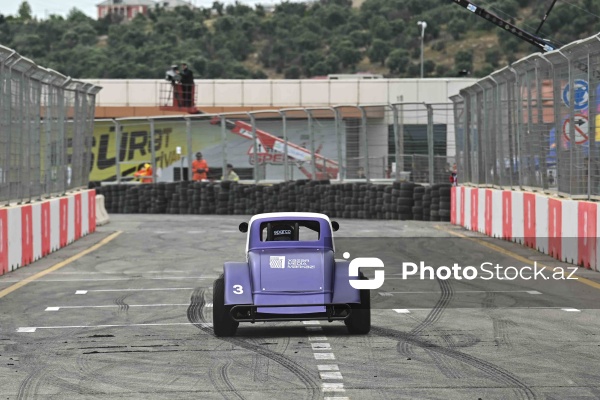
(359, 321)
(223, 324)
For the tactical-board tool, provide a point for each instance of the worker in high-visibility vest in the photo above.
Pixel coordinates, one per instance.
(144, 174)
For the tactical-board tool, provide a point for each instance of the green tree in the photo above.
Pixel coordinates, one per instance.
(379, 50)
(345, 51)
(492, 56)
(464, 60)
(457, 27)
(25, 13)
(397, 61)
(292, 72)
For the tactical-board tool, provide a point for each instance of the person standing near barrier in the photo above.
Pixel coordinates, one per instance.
(144, 174)
(231, 174)
(187, 82)
(199, 168)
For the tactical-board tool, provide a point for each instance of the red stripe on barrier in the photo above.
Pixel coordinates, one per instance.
(462, 206)
(555, 228)
(26, 235)
(92, 210)
(488, 212)
(63, 224)
(45, 222)
(77, 216)
(3, 242)
(453, 205)
(587, 214)
(529, 219)
(474, 209)
(507, 215)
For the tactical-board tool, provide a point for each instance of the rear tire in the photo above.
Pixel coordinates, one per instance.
(223, 324)
(359, 321)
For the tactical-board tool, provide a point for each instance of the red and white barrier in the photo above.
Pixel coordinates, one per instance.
(565, 229)
(30, 232)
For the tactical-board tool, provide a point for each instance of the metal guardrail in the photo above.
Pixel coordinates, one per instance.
(405, 141)
(533, 125)
(46, 130)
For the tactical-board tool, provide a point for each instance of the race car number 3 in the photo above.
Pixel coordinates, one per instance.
(238, 289)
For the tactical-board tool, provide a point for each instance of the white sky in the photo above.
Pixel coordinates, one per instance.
(43, 8)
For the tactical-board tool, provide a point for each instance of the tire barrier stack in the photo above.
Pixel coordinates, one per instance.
(417, 209)
(357, 200)
(440, 202)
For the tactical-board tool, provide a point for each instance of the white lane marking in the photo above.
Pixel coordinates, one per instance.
(321, 346)
(313, 328)
(81, 292)
(311, 322)
(401, 310)
(133, 290)
(130, 305)
(388, 294)
(571, 309)
(470, 291)
(317, 338)
(33, 329)
(336, 398)
(324, 356)
(331, 375)
(168, 271)
(333, 387)
(328, 367)
(533, 292)
(170, 278)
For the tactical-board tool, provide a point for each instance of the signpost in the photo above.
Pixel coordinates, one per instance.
(582, 127)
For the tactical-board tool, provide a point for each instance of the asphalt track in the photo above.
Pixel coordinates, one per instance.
(132, 319)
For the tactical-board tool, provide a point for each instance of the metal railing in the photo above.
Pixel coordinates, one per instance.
(46, 130)
(533, 125)
(405, 141)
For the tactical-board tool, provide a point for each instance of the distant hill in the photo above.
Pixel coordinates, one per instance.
(295, 40)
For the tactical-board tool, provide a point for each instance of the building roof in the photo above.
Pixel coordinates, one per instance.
(174, 3)
(126, 3)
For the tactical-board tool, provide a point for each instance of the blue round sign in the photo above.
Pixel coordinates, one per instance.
(581, 92)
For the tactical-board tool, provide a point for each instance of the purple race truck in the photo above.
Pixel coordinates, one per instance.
(290, 274)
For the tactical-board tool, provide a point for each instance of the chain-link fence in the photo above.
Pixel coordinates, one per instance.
(533, 125)
(408, 142)
(46, 130)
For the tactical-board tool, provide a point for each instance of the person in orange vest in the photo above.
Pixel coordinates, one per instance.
(200, 168)
(144, 174)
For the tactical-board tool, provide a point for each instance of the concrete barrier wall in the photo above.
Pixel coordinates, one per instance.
(31, 231)
(564, 229)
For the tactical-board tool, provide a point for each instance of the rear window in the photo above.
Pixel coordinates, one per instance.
(304, 231)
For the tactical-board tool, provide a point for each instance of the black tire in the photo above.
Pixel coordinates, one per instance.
(359, 321)
(223, 324)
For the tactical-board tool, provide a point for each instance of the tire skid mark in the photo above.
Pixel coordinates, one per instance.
(218, 375)
(196, 317)
(495, 372)
(120, 301)
(500, 326)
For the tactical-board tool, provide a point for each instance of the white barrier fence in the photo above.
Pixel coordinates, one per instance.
(564, 229)
(31, 231)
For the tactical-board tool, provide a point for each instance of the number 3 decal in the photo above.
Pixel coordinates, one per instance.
(238, 289)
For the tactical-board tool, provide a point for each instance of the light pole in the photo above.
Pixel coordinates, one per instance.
(423, 25)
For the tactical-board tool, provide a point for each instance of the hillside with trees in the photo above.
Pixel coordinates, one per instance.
(295, 40)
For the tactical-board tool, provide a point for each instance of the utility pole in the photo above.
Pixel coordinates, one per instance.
(423, 25)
